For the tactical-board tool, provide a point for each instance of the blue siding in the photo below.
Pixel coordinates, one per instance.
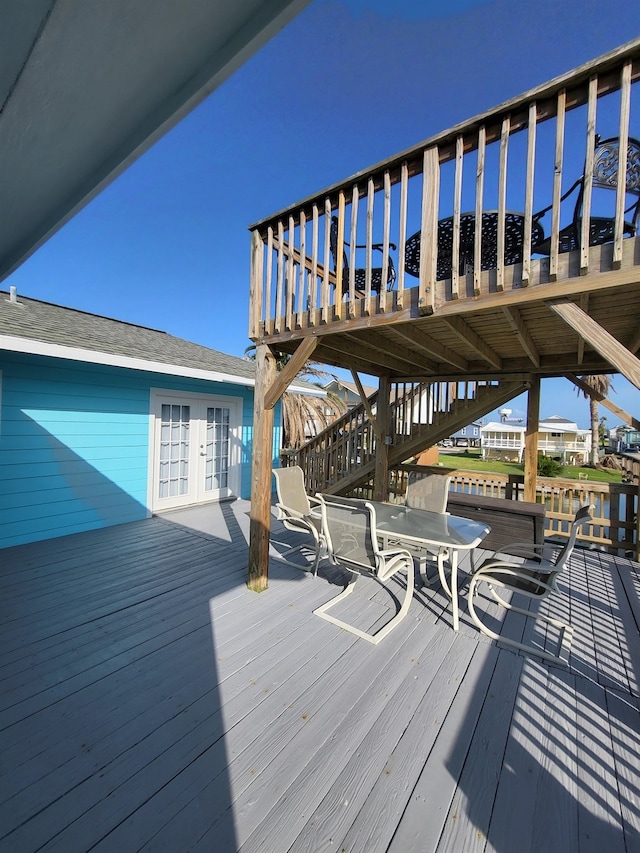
(74, 444)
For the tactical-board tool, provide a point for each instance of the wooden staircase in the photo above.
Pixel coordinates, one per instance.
(342, 457)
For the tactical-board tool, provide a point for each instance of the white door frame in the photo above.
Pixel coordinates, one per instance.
(199, 404)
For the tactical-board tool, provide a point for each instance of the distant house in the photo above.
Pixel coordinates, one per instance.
(347, 391)
(467, 436)
(624, 437)
(105, 422)
(558, 437)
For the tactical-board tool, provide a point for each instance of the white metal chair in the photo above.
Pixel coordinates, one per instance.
(535, 577)
(352, 542)
(428, 491)
(294, 510)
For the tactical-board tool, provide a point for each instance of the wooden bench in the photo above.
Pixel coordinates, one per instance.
(510, 521)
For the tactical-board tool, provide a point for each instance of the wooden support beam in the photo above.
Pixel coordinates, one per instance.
(367, 405)
(381, 472)
(286, 376)
(466, 334)
(617, 411)
(380, 362)
(261, 458)
(531, 441)
(602, 341)
(426, 343)
(518, 325)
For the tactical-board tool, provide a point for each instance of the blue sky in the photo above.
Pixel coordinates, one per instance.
(344, 86)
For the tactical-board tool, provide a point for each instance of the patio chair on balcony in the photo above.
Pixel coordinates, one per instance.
(294, 510)
(605, 177)
(361, 273)
(352, 542)
(535, 578)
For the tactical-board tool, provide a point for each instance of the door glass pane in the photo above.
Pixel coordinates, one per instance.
(217, 448)
(174, 450)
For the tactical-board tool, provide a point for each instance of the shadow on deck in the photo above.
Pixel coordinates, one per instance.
(150, 701)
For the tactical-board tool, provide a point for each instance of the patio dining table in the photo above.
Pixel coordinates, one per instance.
(432, 530)
(513, 243)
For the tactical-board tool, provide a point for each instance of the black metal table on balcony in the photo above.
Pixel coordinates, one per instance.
(513, 242)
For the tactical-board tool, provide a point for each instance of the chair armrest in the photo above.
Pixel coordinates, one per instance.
(287, 512)
(520, 549)
(512, 571)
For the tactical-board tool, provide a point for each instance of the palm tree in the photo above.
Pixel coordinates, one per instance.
(601, 384)
(303, 414)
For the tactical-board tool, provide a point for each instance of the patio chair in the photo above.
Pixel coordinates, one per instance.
(361, 273)
(536, 578)
(605, 177)
(427, 491)
(431, 492)
(294, 510)
(352, 542)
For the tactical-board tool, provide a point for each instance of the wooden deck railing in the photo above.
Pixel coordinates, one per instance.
(615, 524)
(456, 216)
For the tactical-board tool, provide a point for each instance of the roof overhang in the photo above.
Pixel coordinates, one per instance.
(86, 86)
(29, 346)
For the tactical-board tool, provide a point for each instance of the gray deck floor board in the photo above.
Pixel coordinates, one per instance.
(149, 701)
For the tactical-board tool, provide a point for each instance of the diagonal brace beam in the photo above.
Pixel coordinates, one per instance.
(290, 371)
(602, 341)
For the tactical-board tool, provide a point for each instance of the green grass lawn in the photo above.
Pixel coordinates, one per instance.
(469, 460)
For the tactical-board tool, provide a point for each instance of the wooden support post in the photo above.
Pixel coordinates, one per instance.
(531, 441)
(260, 514)
(383, 418)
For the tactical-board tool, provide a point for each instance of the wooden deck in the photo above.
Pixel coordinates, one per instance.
(150, 701)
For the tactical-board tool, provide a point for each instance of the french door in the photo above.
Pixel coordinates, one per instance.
(196, 449)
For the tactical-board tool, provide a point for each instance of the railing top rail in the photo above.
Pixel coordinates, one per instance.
(574, 81)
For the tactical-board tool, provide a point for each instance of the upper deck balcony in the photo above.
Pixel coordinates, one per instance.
(506, 244)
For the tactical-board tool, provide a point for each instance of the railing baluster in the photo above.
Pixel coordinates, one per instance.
(477, 242)
(429, 232)
(268, 307)
(457, 209)
(339, 259)
(303, 304)
(290, 276)
(588, 175)
(325, 302)
(368, 244)
(625, 109)
(557, 185)
(402, 236)
(314, 265)
(280, 280)
(255, 295)
(502, 202)
(384, 294)
(355, 198)
(528, 193)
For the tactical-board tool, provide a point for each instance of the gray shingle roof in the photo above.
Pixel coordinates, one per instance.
(53, 324)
